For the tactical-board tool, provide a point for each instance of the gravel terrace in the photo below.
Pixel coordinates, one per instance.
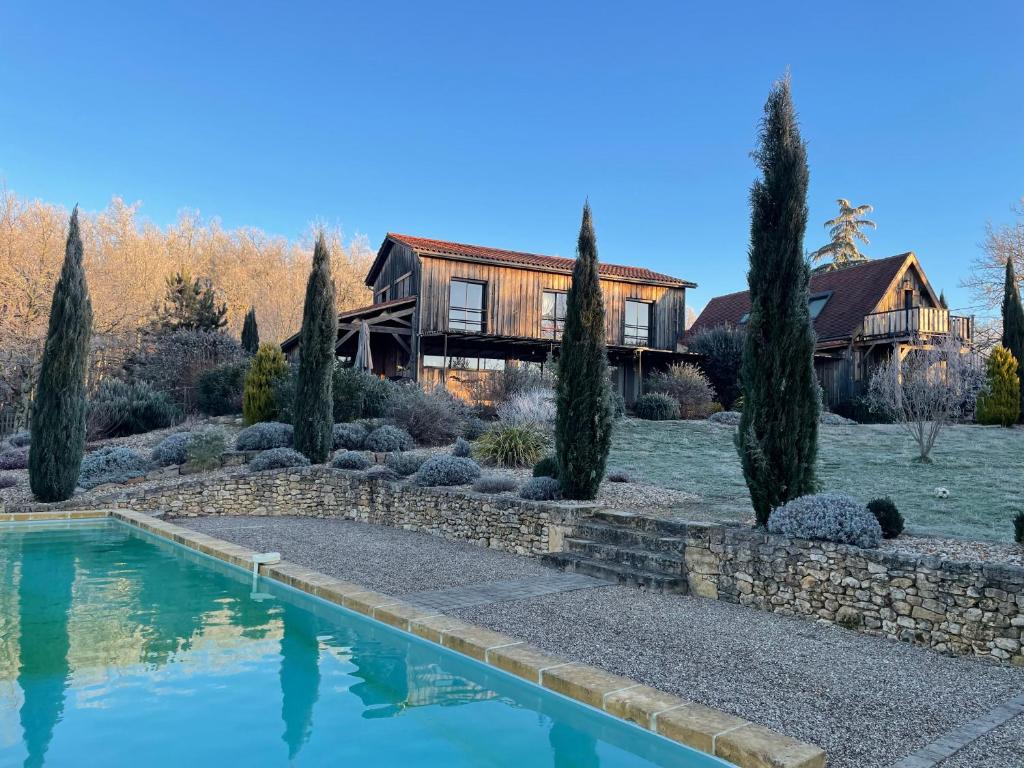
(866, 701)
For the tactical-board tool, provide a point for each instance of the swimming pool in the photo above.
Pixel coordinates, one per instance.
(119, 648)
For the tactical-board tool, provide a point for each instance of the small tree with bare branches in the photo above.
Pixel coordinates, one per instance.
(926, 390)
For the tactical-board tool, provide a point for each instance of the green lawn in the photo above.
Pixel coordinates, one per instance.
(983, 468)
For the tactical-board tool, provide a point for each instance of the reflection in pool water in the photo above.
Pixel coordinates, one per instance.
(117, 648)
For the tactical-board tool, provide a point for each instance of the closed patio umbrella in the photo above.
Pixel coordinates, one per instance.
(364, 359)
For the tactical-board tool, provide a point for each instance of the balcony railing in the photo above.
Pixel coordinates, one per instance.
(918, 321)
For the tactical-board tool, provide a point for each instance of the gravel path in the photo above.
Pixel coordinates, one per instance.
(866, 701)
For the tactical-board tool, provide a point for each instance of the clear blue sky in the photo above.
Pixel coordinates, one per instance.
(491, 125)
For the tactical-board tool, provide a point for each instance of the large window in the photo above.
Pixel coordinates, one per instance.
(466, 306)
(456, 363)
(638, 323)
(552, 316)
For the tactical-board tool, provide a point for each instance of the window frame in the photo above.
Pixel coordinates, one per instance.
(481, 310)
(634, 340)
(557, 323)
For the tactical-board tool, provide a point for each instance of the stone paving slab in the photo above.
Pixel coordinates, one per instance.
(502, 591)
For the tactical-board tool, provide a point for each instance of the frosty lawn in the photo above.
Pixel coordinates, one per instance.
(983, 468)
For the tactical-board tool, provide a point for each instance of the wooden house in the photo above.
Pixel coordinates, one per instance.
(862, 314)
(448, 314)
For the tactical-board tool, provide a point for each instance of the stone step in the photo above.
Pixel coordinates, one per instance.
(637, 522)
(627, 537)
(615, 572)
(638, 558)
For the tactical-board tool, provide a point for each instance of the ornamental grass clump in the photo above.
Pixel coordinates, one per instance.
(264, 436)
(447, 470)
(495, 484)
(349, 436)
(113, 464)
(827, 517)
(278, 458)
(404, 463)
(889, 518)
(541, 489)
(688, 386)
(656, 406)
(388, 439)
(509, 445)
(350, 460)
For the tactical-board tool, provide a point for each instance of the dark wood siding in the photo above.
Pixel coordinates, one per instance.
(400, 261)
(513, 300)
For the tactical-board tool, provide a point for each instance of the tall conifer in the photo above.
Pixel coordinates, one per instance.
(583, 425)
(58, 412)
(778, 433)
(250, 332)
(1013, 324)
(313, 397)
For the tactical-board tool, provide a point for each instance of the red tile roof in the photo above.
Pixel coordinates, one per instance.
(855, 291)
(517, 258)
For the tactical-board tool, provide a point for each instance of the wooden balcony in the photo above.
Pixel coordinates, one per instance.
(918, 322)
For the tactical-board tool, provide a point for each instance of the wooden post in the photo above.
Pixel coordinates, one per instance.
(444, 364)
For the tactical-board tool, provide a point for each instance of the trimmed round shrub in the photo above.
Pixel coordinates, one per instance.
(889, 518)
(173, 449)
(655, 406)
(387, 439)
(120, 408)
(495, 484)
(541, 489)
(380, 472)
(618, 476)
(405, 464)
(219, 390)
(15, 458)
(278, 458)
(510, 445)
(349, 436)
(546, 467)
(113, 464)
(729, 418)
(350, 460)
(828, 517)
(462, 448)
(20, 439)
(8, 481)
(264, 436)
(447, 470)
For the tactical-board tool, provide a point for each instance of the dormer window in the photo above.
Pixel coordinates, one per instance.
(815, 303)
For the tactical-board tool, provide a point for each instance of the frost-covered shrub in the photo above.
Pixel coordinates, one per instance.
(205, 449)
(173, 449)
(834, 419)
(474, 427)
(829, 517)
(546, 467)
(688, 386)
(656, 406)
(264, 436)
(462, 448)
(617, 402)
(511, 445)
(447, 470)
(349, 436)
(20, 439)
(541, 489)
(387, 439)
(350, 460)
(278, 458)
(113, 464)
(534, 407)
(380, 472)
(729, 418)
(358, 393)
(888, 517)
(120, 408)
(8, 481)
(431, 418)
(405, 464)
(618, 476)
(14, 458)
(495, 484)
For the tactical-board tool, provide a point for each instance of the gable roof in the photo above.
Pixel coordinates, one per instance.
(854, 292)
(446, 249)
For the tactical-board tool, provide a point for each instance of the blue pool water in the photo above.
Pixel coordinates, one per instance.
(121, 649)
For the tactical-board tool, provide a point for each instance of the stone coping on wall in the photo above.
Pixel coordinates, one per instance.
(701, 728)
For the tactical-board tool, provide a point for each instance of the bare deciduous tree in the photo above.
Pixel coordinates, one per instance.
(987, 271)
(926, 390)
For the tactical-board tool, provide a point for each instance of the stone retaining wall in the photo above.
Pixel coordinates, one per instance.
(500, 522)
(965, 608)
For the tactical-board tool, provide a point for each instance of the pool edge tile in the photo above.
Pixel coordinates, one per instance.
(523, 660)
(584, 683)
(753, 746)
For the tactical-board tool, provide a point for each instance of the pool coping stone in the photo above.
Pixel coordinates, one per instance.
(726, 736)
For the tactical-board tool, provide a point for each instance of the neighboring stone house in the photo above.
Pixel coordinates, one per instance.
(449, 314)
(862, 315)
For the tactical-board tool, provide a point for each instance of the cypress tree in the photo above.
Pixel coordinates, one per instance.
(250, 332)
(1013, 324)
(778, 433)
(314, 404)
(583, 424)
(59, 409)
